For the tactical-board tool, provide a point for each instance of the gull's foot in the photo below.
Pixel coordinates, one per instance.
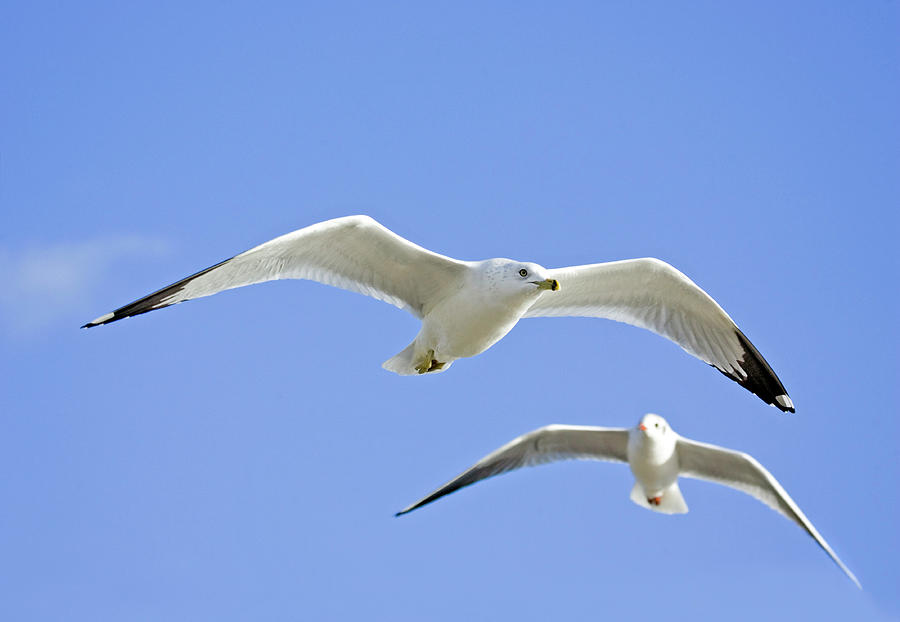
(428, 363)
(654, 500)
(436, 365)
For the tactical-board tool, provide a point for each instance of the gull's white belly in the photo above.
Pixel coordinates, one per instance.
(459, 328)
(654, 470)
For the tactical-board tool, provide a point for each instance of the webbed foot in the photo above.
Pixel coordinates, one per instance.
(428, 363)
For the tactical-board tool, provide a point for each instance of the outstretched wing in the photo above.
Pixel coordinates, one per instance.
(742, 472)
(354, 253)
(651, 294)
(547, 444)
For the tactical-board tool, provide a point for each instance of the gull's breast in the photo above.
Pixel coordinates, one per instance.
(653, 465)
(465, 326)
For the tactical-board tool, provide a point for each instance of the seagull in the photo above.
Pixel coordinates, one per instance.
(657, 456)
(467, 306)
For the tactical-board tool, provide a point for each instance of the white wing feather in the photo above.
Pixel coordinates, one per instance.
(742, 472)
(547, 444)
(651, 294)
(354, 253)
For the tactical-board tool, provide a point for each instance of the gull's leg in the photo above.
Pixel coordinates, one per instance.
(654, 500)
(427, 363)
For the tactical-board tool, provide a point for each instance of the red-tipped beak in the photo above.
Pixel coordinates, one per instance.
(642, 428)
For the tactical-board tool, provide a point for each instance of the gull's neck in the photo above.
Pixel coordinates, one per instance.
(650, 449)
(492, 279)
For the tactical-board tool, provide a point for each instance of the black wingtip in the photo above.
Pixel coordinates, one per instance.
(151, 302)
(103, 319)
(110, 317)
(407, 510)
(761, 379)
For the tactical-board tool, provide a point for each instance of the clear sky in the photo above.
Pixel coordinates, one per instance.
(241, 457)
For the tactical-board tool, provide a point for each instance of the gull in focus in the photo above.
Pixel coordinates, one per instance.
(467, 306)
(657, 456)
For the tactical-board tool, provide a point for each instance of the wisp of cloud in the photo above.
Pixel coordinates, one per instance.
(42, 284)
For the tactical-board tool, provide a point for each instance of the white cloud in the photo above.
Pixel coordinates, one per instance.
(42, 284)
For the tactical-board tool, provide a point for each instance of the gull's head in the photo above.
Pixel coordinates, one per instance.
(652, 438)
(517, 277)
(653, 427)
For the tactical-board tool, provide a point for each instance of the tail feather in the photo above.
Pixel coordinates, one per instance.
(671, 501)
(402, 363)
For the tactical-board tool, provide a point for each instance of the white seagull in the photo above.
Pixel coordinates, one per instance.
(467, 306)
(657, 456)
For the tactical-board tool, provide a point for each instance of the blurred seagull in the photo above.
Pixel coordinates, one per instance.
(467, 306)
(657, 456)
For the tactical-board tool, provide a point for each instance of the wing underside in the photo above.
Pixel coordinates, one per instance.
(651, 294)
(354, 253)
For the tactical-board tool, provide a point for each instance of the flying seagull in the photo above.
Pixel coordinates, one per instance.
(467, 306)
(657, 456)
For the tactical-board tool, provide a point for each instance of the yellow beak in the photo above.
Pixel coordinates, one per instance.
(551, 284)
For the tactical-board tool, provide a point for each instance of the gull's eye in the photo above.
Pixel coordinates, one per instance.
(656, 425)
(523, 272)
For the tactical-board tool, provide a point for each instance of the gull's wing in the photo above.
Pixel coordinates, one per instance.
(651, 294)
(742, 472)
(547, 444)
(355, 253)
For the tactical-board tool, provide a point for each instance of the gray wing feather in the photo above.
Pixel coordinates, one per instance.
(354, 253)
(651, 294)
(548, 444)
(742, 472)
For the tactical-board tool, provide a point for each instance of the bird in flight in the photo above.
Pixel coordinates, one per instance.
(657, 456)
(467, 306)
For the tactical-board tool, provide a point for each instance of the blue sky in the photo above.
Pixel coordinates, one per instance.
(241, 456)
